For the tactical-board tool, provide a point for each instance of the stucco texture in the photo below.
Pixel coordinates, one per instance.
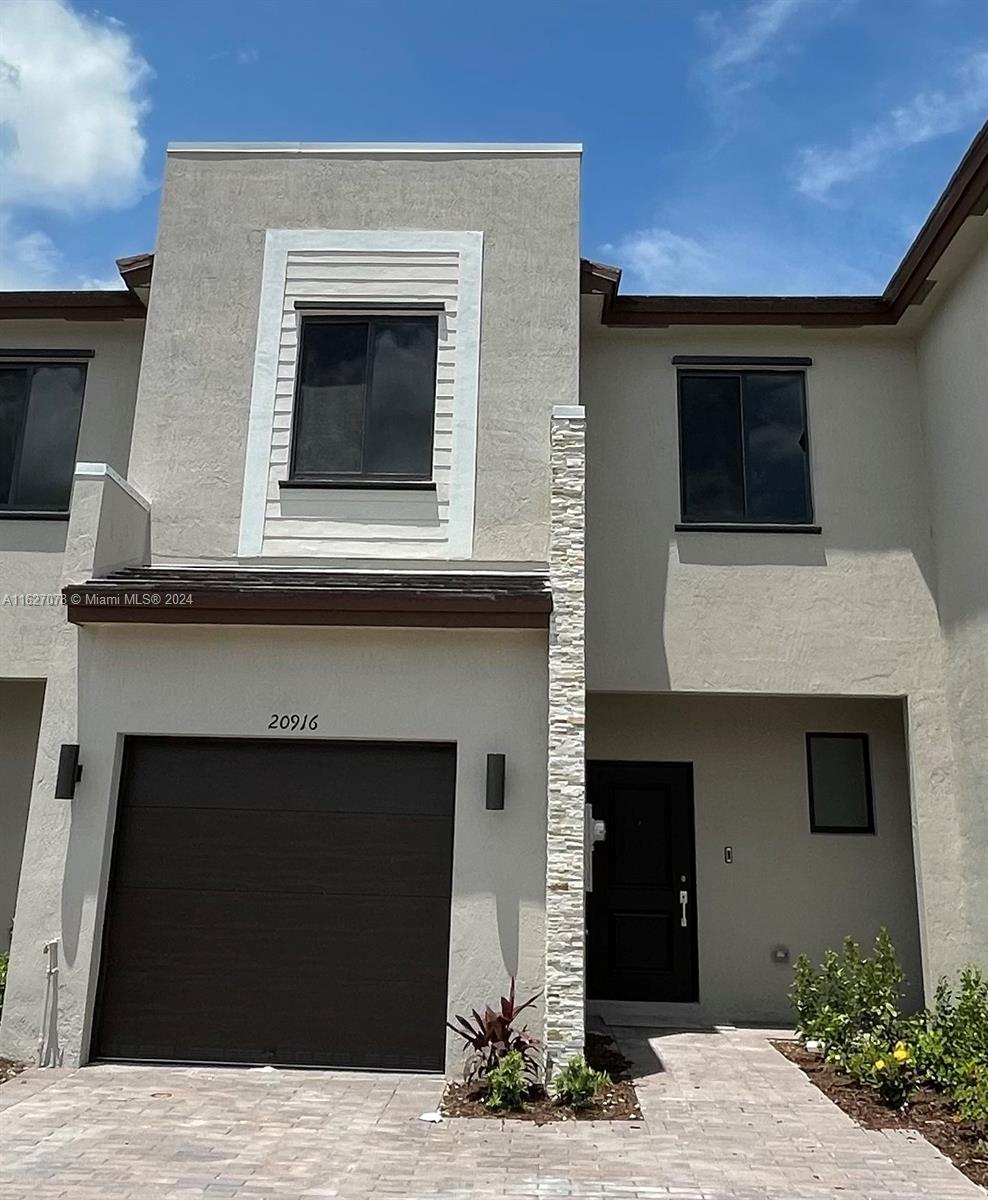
(484, 690)
(786, 885)
(20, 718)
(852, 611)
(31, 551)
(193, 405)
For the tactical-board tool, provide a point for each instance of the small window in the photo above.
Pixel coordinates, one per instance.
(40, 410)
(744, 456)
(839, 775)
(365, 399)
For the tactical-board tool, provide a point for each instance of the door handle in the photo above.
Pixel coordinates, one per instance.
(684, 899)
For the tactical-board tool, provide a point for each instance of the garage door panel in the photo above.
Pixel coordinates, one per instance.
(245, 933)
(285, 851)
(322, 983)
(274, 774)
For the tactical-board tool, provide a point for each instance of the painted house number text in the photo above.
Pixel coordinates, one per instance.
(294, 721)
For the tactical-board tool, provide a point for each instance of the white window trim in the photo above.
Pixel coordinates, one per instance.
(469, 246)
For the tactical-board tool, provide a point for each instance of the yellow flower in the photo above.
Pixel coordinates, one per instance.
(879, 1064)
(900, 1053)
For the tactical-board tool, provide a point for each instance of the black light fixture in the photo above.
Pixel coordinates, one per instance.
(69, 771)
(495, 781)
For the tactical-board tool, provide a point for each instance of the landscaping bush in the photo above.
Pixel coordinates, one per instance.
(578, 1084)
(850, 1008)
(492, 1036)
(850, 999)
(507, 1082)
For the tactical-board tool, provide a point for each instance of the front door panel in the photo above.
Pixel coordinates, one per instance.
(638, 945)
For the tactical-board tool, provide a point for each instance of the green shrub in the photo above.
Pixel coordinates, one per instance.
(507, 1083)
(850, 999)
(577, 1084)
(890, 1070)
(971, 1095)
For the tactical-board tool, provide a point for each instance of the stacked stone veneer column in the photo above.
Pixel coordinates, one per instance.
(564, 898)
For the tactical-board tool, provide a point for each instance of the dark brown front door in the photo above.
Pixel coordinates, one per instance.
(279, 901)
(641, 913)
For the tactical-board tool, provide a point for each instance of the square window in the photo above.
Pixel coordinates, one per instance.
(40, 410)
(365, 399)
(838, 769)
(744, 453)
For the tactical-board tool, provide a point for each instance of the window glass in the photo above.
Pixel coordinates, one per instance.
(365, 399)
(775, 448)
(44, 475)
(710, 433)
(402, 398)
(743, 448)
(40, 409)
(839, 783)
(330, 407)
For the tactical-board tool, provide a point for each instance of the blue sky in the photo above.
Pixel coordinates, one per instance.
(790, 146)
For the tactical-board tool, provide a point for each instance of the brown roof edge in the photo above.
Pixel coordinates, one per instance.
(965, 195)
(116, 305)
(136, 270)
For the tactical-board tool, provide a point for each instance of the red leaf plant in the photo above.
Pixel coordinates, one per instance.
(492, 1035)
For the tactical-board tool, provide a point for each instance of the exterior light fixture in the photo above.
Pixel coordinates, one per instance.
(495, 781)
(69, 771)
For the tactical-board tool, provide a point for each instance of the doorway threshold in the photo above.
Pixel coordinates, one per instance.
(644, 1014)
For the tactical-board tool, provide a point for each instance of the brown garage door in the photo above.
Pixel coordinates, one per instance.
(279, 901)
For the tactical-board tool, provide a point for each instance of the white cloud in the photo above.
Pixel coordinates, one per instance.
(70, 92)
(71, 104)
(926, 116)
(743, 41)
(730, 260)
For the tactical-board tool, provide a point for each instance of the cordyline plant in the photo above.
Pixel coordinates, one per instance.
(490, 1036)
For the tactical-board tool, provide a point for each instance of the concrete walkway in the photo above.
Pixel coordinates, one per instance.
(726, 1118)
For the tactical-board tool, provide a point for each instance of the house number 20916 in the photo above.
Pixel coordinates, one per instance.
(294, 721)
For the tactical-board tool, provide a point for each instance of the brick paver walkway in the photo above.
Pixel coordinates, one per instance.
(726, 1118)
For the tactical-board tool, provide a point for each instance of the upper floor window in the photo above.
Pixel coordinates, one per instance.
(40, 410)
(365, 399)
(744, 456)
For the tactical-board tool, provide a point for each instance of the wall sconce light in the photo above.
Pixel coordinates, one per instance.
(495, 781)
(69, 771)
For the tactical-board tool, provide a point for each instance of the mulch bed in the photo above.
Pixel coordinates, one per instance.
(9, 1068)
(616, 1103)
(930, 1113)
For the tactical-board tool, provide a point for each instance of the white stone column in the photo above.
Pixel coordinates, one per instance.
(564, 898)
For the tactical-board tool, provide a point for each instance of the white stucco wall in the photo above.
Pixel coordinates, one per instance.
(20, 718)
(31, 551)
(953, 386)
(786, 886)
(203, 321)
(851, 611)
(484, 690)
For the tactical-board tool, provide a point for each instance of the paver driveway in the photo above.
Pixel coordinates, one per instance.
(726, 1118)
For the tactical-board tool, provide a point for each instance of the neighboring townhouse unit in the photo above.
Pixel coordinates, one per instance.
(383, 675)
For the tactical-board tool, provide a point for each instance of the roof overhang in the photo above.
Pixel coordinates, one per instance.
(196, 596)
(117, 305)
(965, 196)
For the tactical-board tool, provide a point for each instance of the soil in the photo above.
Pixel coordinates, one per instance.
(929, 1113)
(618, 1102)
(9, 1068)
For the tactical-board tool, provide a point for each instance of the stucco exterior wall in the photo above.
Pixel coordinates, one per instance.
(786, 886)
(953, 388)
(31, 551)
(191, 426)
(20, 718)
(851, 611)
(486, 690)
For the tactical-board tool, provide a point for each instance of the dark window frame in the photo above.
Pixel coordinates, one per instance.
(14, 361)
(357, 479)
(746, 522)
(815, 826)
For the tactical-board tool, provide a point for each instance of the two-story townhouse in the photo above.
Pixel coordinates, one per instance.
(388, 680)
